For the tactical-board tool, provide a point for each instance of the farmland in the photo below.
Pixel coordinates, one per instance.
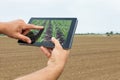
(91, 58)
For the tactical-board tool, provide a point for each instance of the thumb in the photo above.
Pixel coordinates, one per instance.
(56, 42)
(23, 38)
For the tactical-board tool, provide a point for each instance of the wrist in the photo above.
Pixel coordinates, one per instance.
(58, 68)
(2, 27)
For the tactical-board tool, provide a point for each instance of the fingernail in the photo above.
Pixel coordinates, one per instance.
(40, 26)
(53, 38)
(29, 41)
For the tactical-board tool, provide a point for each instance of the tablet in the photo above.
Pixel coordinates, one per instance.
(63, 29)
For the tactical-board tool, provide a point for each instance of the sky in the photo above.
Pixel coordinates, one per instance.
(94, 16)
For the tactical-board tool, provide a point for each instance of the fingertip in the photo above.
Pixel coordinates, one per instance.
(52, 38)
(45, 51)
(40, 26)
(36, 27)
(29, 41)
(41, 47)
(56, 42)
(23, 38)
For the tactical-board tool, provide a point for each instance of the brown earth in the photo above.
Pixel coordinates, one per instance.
(91, 58)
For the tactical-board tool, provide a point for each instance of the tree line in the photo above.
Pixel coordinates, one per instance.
(110, 33)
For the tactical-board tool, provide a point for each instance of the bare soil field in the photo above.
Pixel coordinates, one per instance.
(91, 58)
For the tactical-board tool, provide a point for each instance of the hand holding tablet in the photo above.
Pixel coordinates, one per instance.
(62, 29)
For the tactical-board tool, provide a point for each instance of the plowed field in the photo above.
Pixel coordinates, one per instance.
(91, 58)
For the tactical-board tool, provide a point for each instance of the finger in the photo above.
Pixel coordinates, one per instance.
(56, 42)
(23, 38)
(45, 51)
(25, 31)
(31, 26)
